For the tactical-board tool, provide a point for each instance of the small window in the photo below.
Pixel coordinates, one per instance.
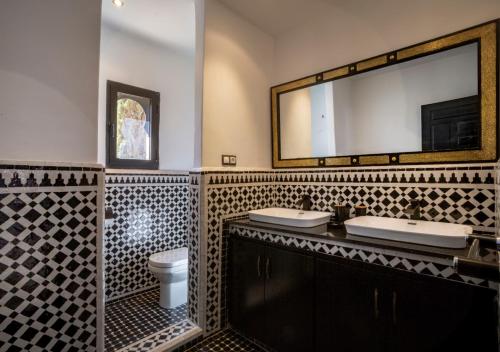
(133, 122)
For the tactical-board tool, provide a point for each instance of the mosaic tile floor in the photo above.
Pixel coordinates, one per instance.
(226, 341)
(134, 318)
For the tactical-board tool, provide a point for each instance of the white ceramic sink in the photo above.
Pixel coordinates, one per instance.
(290, 217)
(437, 234)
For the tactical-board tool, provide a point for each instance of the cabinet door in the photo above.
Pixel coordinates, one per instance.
(350, 308)
(431, 314)
(289, 300)
(246, 287)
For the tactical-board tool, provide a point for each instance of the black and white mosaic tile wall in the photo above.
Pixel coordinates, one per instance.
(48, 257)
(151, 213)
(464, 195)
(450, 193)
(194, 247)
(227, 196)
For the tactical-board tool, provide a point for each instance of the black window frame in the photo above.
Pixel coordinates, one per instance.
(113, 88)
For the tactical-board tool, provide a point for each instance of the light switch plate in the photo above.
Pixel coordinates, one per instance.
(229, 160)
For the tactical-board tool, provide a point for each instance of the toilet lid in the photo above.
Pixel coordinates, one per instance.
(171, 258)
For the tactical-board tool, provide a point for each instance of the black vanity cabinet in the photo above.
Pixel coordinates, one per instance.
(271, 294)
(350, 310)
(440, 315)
(365, 307)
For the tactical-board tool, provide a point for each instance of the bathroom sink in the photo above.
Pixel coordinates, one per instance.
(290, 217)
(437, 234)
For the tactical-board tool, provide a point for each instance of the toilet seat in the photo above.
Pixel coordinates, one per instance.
(169, 259)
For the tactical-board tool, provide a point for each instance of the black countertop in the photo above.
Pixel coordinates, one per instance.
(479, 257)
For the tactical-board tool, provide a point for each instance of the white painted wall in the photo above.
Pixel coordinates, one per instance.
(237, 74)
(199, 7)
(49, 64)
(358, 29)
(137, 61)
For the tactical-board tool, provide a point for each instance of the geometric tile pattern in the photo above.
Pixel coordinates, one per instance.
(131, 319)
(48, 296)
(160, 341)
(18, 176)
(148, 218)
(497, 224)
(464, 205)
(474, 174)
(193, 243)
(497, 202)
(399, 260)
(223, 201)
(448, 193)
(226, 341)
(456, 194)
(144, 178)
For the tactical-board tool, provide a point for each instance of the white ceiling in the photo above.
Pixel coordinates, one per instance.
(167, 22)
(276, 17)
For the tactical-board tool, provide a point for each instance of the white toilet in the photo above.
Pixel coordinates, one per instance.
(171, 267)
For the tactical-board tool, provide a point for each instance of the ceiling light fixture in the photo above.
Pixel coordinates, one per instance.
(118, 3)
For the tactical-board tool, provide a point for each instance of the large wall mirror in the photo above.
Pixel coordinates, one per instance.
(433, 102)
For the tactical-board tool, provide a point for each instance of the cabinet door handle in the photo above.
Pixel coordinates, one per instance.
(268, 275)
(258, 266)
(375, 305)
(394, 307)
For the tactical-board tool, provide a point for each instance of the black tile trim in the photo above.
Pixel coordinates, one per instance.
(243, 178)
(125, 179)
(49, 168)
(15, 181)
(459, 175)
(146, 174)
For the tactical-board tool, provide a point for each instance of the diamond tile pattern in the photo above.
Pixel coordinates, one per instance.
(457, 194)
(221, 202)
(48, 271)
(131, 319)
(401, 261)
(194, 246)
(149, 218)
(470, 206)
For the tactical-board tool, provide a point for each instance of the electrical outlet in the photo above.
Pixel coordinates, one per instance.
(228, 160)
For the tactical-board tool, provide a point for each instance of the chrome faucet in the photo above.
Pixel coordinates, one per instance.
(305, 202)
(413, 210)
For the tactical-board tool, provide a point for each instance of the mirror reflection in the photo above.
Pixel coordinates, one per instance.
(426, 104)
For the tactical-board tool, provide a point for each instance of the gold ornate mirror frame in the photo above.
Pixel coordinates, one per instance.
(486, 35)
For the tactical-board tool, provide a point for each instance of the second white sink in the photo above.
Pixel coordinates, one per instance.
(437, 234)
(290, 217)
